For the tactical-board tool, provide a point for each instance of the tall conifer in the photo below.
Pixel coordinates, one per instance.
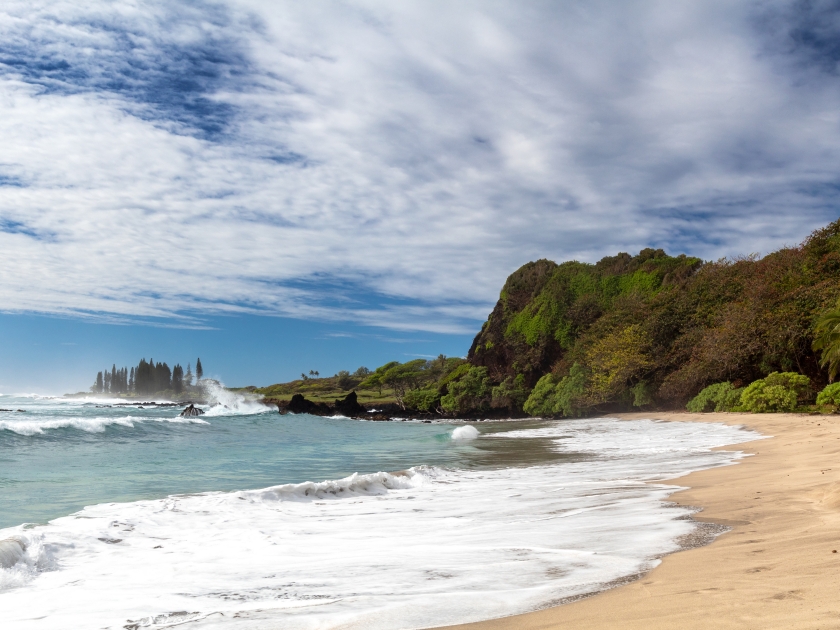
(199, 371)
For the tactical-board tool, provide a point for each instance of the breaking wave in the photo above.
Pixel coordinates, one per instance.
(89, 425)
(378, 483)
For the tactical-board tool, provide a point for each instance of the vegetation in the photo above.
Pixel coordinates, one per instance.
(830, 395)
(827, 341)
(776, 392)
(145, 379)
(414, 385)
(718, 397)
(650, 330)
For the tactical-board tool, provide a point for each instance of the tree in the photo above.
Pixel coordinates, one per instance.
(188, 377)
(402, 377)
(199, 371)
(615, 360)
(100, 383)
(107, 375)
(470, 393)
(131, 381)
(361, 372)
(376, 379)
(827, 341)
(177, 379)
(344, 380)
(163, 377)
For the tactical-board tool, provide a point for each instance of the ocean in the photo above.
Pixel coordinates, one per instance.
(115, 516)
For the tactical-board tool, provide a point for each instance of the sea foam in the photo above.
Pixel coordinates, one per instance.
(37, 426)
(465, 433)
(419, 548)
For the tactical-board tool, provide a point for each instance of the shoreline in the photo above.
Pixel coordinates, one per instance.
(776, 567)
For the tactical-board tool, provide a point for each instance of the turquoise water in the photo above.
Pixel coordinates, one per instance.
(119, 517)
(61, 455)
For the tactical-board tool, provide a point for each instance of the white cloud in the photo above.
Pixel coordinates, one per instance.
(389, 163)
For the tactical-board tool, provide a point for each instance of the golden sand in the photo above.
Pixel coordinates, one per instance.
(776, 568)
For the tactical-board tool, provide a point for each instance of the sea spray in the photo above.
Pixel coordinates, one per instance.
(224, 402)
(466, 432)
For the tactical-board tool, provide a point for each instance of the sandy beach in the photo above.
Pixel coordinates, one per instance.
(778, 567)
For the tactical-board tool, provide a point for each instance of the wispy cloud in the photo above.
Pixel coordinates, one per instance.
(390, 163)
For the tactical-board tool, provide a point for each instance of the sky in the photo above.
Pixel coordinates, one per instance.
(279, 186)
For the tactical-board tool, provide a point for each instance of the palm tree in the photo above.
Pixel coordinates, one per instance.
(827, 340)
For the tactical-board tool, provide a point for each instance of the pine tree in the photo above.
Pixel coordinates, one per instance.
(131, 381)
(189, 376)
(199, 371)
(100, 383)
(143, 379)
(163, 377)
(107, 388)
(177, 379)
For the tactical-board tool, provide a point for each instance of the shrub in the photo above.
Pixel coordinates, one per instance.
(789, 380)
(776, 392)
(511, 393)
(569, 391)
(422, 399)
(642, 394)
(830, 395)
(541, 400)
(551, 398)
(470, 393)
(717, 397)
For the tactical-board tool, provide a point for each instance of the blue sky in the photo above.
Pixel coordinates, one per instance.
(282, 186)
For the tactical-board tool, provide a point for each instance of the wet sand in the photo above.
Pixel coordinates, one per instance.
(776, 568)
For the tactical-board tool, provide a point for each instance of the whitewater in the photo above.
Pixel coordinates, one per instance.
(119, 517)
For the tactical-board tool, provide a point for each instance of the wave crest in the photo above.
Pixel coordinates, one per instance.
(89, 425)
(377, 483)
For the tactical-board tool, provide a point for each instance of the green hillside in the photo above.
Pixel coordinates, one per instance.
(644, 331)
(654, 329)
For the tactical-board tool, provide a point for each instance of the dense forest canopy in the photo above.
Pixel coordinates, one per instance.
(656, 329)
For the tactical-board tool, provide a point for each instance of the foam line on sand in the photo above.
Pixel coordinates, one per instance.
(776, 568)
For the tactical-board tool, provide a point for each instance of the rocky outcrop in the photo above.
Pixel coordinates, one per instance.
(299, 404)
(191, 411)
(349, 406)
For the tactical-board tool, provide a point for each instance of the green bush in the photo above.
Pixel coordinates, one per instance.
(717, 397)
(422, 399)
(541, 400)
(511, 393)
(790, 380)
(830, 395)
(470, 393)
(642, 394)
(778, 391)
(569, 391)
(550, 398)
